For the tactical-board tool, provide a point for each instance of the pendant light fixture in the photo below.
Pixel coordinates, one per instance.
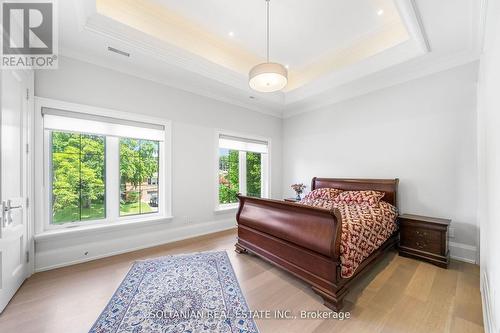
(268, 76)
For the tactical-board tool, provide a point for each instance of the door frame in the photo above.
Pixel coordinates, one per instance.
(30, 172)
(28, 165)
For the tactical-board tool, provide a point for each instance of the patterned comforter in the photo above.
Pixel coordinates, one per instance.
(364, 228)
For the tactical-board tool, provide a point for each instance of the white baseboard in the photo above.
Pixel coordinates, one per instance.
(56, 254)
(486, 297)
(463, 252)
(65, 252)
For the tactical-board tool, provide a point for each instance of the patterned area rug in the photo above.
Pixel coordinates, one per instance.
(185, 293)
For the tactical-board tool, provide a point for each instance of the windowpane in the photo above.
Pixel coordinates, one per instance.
(130, 203)
(228, 176)
(65, 205)
(151, 199)
(78, 171)
(65, 173)
(93, 204)
(63, 142)
(254, 174)
(139, 166)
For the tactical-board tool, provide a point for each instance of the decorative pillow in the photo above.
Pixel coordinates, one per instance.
(321, 203)
(358, 197)
(323, 193)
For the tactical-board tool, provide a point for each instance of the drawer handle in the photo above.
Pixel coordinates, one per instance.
(421, 245)
(421, 234)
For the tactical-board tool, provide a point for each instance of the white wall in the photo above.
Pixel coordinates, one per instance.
(194, 121)
(422, 132)
(489, 168)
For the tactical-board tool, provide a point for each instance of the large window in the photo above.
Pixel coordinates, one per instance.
(102, 169)
(78, 177)
(243, 168)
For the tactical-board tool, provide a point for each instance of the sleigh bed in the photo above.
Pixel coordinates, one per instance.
(306, 240)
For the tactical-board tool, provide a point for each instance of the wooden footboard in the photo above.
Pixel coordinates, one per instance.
(304, 240)
(314, 228)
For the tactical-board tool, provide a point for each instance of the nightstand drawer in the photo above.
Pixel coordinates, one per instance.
(421, 239)
(424, 238)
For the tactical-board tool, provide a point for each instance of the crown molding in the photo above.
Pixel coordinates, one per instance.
(393, 76)
(138, 41)
(84, 9)
(417, 45)
(398, 54)
(181, 69)
(220, 95)
(90, 20)
(173, 56)
(410, 14)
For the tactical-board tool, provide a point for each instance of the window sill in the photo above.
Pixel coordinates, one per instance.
(226, 209)
(97, 228)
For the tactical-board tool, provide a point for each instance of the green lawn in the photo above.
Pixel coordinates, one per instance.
(133, 208)
(96, 212)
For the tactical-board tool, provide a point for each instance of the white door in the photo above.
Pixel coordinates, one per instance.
(14, 187)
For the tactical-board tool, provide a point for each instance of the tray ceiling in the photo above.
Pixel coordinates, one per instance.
(301, 31)
(310, 40)
(208, 46)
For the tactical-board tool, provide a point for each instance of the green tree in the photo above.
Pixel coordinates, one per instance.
(254, 174)
(138, 161)
(229, 177)
(77, 172)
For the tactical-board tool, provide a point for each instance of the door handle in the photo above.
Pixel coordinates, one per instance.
(9, 207)
(4, 205)
(7, 210)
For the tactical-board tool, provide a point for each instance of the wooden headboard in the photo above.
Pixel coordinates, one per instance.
(388, 186)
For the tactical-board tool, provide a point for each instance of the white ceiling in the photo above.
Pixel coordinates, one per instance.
(301, 31)
(336, 49)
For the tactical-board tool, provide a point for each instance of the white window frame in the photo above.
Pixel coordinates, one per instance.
(265, 165)
(112, 178)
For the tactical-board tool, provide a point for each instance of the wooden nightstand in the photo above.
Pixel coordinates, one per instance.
(424, 238)
(291, 199)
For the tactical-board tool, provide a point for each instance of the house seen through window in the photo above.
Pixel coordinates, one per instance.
(104, 175)
(139, 165)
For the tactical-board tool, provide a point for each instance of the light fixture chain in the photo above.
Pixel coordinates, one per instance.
(268, 76)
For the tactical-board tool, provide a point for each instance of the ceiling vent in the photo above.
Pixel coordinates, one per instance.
(123, 53)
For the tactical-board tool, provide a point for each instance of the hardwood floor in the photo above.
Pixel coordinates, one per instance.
(399, 295)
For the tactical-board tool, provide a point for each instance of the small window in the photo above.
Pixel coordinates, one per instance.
(243, 168)
(228, 175)
(139, 165)
(254, 174)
